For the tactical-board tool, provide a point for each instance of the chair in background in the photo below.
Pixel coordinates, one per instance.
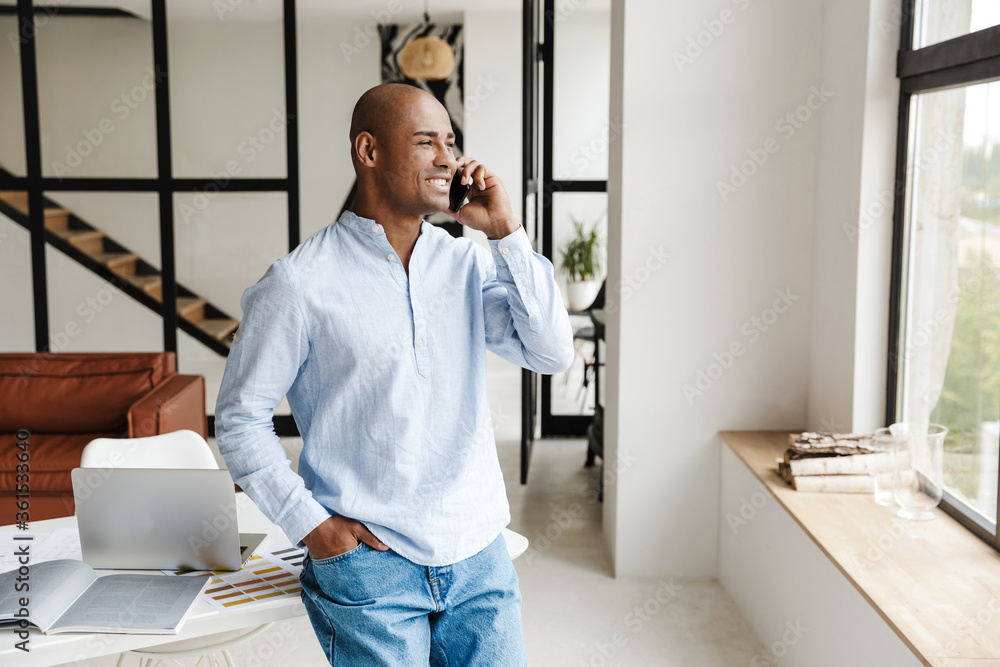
(180, 449)
(581, 336)
(517, 543)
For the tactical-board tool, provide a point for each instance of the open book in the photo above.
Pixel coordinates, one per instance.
(68, 596)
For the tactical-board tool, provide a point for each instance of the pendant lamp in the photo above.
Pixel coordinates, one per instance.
(427, 58)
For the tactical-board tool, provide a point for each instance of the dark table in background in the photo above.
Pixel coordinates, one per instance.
(595, 432)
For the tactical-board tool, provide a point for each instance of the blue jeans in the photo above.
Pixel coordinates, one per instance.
(371, 607)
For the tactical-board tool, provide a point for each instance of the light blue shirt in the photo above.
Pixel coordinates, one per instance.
(386, 378)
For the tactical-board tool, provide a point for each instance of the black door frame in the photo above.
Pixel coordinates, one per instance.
(537, 51)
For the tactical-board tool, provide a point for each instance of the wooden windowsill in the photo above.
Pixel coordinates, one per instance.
(936, 584)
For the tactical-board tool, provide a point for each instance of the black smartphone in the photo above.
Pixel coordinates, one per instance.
(458, 192)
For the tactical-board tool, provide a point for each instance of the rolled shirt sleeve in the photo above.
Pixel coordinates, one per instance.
(526, 320)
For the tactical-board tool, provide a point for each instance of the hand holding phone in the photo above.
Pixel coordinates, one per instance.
(489, 209)
(459, 192)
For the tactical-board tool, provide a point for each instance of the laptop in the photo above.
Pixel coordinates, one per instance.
(159, 519)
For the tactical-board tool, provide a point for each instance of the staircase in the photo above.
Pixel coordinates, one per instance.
(95, 250)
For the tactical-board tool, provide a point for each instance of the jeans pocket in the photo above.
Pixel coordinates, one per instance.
(338, 557)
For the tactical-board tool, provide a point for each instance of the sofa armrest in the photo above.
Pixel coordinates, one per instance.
(178, 403)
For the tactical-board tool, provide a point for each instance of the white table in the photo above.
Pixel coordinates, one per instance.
(204, 619)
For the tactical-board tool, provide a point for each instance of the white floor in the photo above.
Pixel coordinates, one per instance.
(575, 614)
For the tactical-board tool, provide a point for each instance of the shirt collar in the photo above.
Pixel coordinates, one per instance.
(367, 225)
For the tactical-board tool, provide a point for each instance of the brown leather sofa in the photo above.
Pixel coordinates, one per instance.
(64, 401)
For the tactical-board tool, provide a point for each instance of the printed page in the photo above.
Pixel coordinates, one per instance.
(132, 603)
(52, 587)
(62, 543)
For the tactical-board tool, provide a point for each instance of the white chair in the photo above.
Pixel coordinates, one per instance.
(517, 543)
(180, 449)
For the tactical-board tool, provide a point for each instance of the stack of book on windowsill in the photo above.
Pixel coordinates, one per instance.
(833, 462)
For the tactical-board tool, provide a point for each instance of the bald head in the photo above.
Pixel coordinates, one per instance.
(381, 107)
(402, 146)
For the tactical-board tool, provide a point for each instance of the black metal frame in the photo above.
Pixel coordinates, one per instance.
(68, 10)
(555, 425)
(964, 60)
(165, 185)
(529, 186)
(535, 51)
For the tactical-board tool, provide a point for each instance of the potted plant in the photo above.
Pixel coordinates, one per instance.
(582, 264)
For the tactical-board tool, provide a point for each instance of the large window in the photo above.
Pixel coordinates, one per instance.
(945, 343)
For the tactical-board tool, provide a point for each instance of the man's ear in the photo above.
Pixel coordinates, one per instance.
(364, 148)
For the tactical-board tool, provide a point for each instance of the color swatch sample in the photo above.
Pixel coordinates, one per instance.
(269, 574)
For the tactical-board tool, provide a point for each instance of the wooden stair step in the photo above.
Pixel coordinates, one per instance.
(122, 263)
(57, 219)
(151, 285)
(191, 308)
(218, 328)
(16, 198)
(90, 241)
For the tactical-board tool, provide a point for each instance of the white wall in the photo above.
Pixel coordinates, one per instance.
(684, 129)
(11, 115)
(493, 98)
(851, 252)
(16, 326)
(834, 259)
(97, 112)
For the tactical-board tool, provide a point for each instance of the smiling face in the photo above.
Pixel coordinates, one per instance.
(414, 157)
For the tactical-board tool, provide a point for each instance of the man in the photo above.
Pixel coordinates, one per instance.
(377, 329)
